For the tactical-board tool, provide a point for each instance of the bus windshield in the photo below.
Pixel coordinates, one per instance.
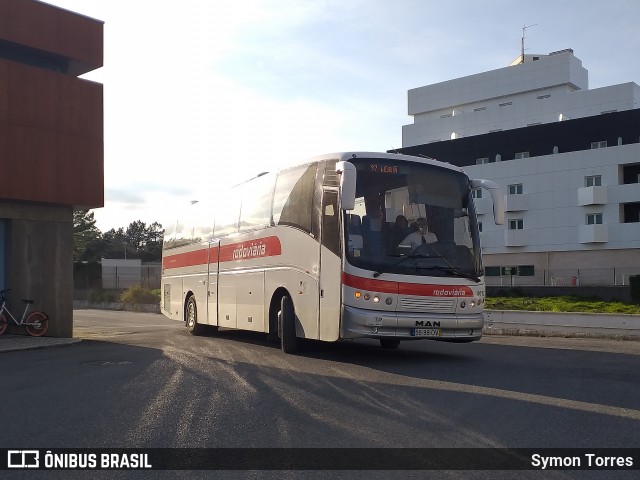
(412, 219)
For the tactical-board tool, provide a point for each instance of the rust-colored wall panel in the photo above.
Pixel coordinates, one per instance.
(28, 23)
(52, 167)
(4, 91)
(33, 96)
(80, 107)
(78, 178)
(81, 40)
(4, 155)
(53, 30)
(29, 164)
(51, 123)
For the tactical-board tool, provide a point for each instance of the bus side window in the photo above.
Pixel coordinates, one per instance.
(293, 197)
(169, 234)
(257, 197)
(330, 227)
(227, 215)
(181, 237)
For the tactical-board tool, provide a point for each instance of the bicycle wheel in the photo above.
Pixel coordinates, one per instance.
(3, 323)
(37, 324)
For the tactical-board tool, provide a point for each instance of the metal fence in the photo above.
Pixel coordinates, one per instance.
(578, 277)
(118, 277)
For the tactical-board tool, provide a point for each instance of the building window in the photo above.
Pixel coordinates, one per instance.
(516, 224)
(476, 193)
(492, 271)
(526, 270)
(506, 104)
(522, 155)
(481, 109)
(593, 181)
(601, 144)
(482, 161)
(480, 227)
(521, 270)
(594, 218)
(630, 173)
(630, 212)
(515, 189)
(541, 97)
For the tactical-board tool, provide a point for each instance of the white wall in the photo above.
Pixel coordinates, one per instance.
(551, 211)
(511, 97)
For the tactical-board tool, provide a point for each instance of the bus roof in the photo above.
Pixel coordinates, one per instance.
(346, 156)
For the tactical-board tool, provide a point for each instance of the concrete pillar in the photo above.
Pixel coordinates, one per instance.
(39, 266)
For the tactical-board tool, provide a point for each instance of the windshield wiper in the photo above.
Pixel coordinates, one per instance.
(379, 272)
(454, 271)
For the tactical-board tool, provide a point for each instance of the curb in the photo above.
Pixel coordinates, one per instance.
(561, 324)
(12, 343)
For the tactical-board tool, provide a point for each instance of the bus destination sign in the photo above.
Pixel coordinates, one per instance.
(382, 168)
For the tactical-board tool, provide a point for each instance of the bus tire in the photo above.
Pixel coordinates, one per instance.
(288, 339)
(390, 343)
(191, 316)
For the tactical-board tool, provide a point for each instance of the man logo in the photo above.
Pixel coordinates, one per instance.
(23, 459)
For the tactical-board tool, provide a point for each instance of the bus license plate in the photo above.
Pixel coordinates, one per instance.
(426, 332)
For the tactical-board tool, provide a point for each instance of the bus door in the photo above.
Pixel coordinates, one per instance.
(330, 267)
(227, 287)
(212, 284)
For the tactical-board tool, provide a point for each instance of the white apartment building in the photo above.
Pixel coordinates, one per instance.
(566, 157)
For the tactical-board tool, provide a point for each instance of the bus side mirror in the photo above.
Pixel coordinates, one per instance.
(496, 197)
(347, 172)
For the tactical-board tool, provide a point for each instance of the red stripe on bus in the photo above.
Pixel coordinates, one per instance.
(402, 288)
(261, 247)
(188, 259)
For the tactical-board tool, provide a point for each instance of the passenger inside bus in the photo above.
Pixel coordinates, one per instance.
(399, 231)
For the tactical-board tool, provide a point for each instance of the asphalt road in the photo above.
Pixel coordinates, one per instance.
(140, 380)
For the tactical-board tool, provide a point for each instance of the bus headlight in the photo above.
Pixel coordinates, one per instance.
(376, 299)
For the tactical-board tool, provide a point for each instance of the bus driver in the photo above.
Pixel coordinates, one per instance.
(421, 237)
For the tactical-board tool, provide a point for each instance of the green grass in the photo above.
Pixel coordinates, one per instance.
(560, 304)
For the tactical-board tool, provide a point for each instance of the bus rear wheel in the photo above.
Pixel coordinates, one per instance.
(389, 343)
(287, 326)
(191, 313)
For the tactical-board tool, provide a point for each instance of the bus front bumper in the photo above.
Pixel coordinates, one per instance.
(361, 323)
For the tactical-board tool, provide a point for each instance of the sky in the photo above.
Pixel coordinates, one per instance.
(200, 95)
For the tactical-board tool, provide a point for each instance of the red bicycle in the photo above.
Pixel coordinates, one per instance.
(36, 323)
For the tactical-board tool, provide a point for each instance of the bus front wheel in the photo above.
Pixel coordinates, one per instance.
(193, 327)
(287, 326)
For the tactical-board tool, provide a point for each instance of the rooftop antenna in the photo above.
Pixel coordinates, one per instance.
(524, 34)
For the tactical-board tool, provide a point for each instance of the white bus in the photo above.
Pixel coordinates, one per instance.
(321, 250)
